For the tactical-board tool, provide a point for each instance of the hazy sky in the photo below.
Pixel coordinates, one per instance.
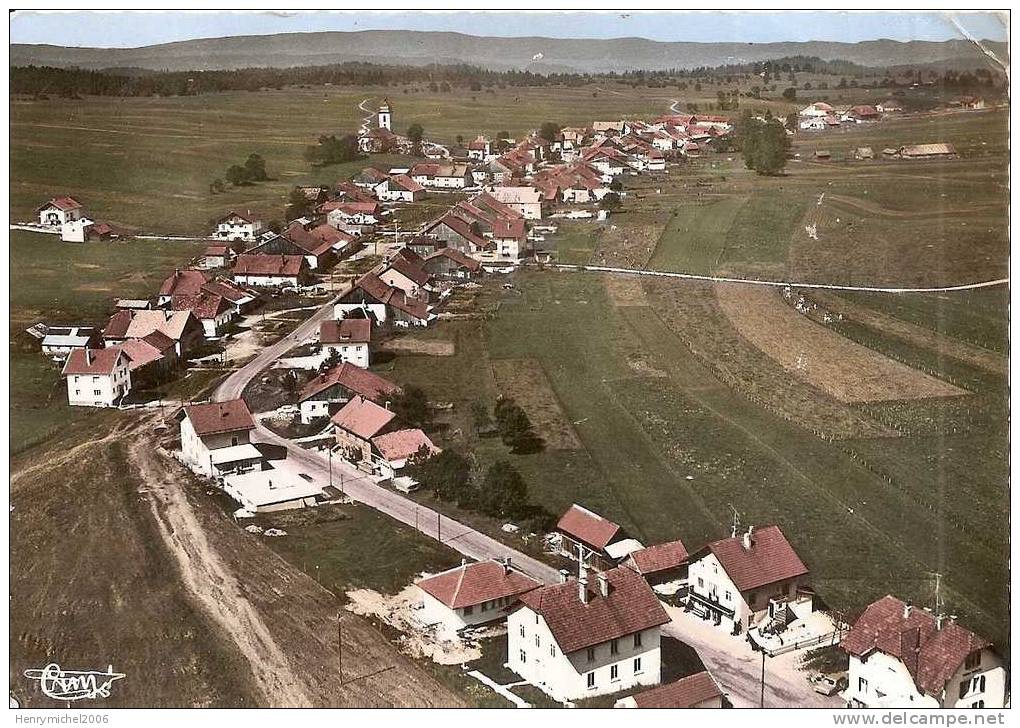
(101, 29)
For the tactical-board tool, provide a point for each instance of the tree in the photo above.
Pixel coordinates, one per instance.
(411, 405)
(763, 144)
(790, 93)
(298, 204)
(217, 186)
(616, 185)
(237, 175)
(503, 493)
(415, 133)
(334, 359)
(331, 150)
(256, 168)
(448, 473)
(549, 131)
(611, 201)
(515, 427)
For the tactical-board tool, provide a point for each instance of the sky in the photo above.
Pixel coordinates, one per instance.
(109, 30)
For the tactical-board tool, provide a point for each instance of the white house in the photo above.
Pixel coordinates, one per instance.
(322, 396)
(525, 200)
(271, 490)
(576, 640)
(348, 338)
(60, 210)
(472, 594)
(235, 226)
(391, 451)
(817, 109)
(699, 690)
(904, 657)
(442, 176)
(215, 438)
(97, 377)
(740, 581)
(269, 271)
(399, 188)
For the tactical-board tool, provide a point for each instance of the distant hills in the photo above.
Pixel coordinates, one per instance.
(540, 55)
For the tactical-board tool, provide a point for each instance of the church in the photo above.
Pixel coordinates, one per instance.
(380, 139)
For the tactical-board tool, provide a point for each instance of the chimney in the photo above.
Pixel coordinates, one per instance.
(88, 357)
(463, 562)
(603, 584)
(939, 619)
(387, 405)
(506, 565)
(582, 589)
(906, 610)
(747, 542)
(564, 576)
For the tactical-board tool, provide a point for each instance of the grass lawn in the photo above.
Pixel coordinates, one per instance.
(695, 237)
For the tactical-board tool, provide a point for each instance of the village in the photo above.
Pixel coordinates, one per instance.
(598, 615)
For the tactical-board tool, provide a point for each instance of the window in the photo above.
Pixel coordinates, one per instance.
(538, 641)
(637, 639)
(97, 392)
(233, 441)
(862, 685)
(77, 391)
(536, 617)
(468, 611)
(614, 672)
(973, 661)
(637, 665)
(591, 655)
(701, 582)
(591, 680)
(552, 650)
(614, 647)
(522, 630)
(978, 704)
(729, 596)
(524, 657)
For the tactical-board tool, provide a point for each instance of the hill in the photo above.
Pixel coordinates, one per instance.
(421, 48)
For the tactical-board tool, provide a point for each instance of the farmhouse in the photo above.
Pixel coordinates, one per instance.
(738, 581)
(602, 543)
(574, 640)
(181, 327)
(215, 438)
(412, 279)
(451, 263)
(861, 114)
(237, 296)
(270, 271)
(60, 210)
(187, 282)
(60, 341)
(212, 310)
(320, 244)
(442, 176)
(527, 201)
(699, 690)
(363, 214)
(322, 396)
(472, 594)
(216, 256)
(660, 563)
(904, 657)
(354, 426)
(399, 188)
(889, 106)
(272, 490)
(369, 177)
(928, 151)
(97, 377)
(817, 109)
(237, 226)
(370, 297)
(348, 338)
(392, 451)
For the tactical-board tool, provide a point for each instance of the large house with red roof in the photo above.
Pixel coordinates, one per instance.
(660, 563)
(270, 271)
(740, 581)
(97, 377)
(371, 297)
(215, 438)
(472, 594)
(324, 394)
(236, 226)
(582, 638)
(905, 657)
(59, 211)
(348, 339)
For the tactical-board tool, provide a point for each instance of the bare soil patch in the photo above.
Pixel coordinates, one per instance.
(526, 382)
(625, 290)
(627, 243)
(428, 347)
(843, 369)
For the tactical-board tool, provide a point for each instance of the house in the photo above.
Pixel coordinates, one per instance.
(370, 297)
(412, 279)
(180, 327)
(525, 200)
(479, 149)
(378, 141)
(451, 263)
(187, 282)
(442, 176)
(576, 640)
(661, 563)
(239, 297)
(270, 271)
(399, 188)
(146, 362)
(601, 543)
(511, 240)
(59, 341)
(354, 426)
(889, 106)
(740, 581)
(97, 377)
(361, 214)
(216, 438)
(817, 109)
(212, 310)
(861, 114)
(322, 396)
(60, 210)
(905, 657)
(813, 123)
(369, 177)
(391, 451)
(348, 338)
(699, 690)
(320, 243)
(472, 594)
(928, 151)
(272, 490)
(236, 226)
(424, 245)
(216, 256)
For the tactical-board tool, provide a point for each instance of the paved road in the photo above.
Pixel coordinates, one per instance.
(736, 668)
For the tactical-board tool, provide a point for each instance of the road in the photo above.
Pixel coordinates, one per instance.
(730, 659)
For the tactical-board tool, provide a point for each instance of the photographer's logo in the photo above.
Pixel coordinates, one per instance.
(74, 685)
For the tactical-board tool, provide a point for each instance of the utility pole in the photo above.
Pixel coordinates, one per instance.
(761, 702)
(340, 646)
(439, 526)
(330, 466)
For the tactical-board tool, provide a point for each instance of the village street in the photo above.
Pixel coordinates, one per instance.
(730, 659)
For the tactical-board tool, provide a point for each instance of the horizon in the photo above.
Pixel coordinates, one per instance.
(147, 28)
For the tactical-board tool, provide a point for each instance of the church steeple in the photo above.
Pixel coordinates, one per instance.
(385, 116)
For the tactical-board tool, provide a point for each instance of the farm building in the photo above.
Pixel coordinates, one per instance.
(272, 490)
(270, 271)
(928, 151)
(694, 691)
(217, 256)
(472, 594)
(451, 263)
(602, 543)
(527, 201)
(392, 451)
(212, 310)
(181, 327)
(370, 297)
(356, 424)
(660, 563)
(59, 341)
(60, 210)
(399, 188)
(905, 657)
